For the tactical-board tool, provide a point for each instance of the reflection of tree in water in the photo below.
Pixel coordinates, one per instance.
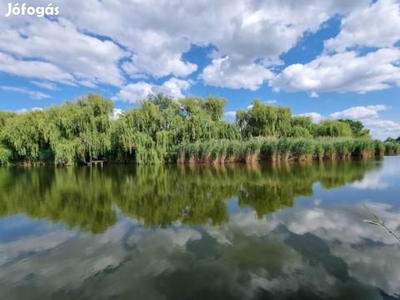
(284, 182)
(59, 195)
(161, 195)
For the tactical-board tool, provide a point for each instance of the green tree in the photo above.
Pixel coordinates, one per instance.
(334, 128)
(23, 134)
(357, 128)
(95, 125)
(83, 130)
(263, 120)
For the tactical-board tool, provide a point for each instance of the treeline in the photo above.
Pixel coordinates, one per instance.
(160, 195)
(163, 130)
(390, 139)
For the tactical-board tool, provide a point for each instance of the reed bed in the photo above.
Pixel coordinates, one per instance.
(392, 148)
(275, 150)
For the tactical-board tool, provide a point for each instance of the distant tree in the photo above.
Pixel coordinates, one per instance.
(390, 139)
(357, 128)
(300, 132)
(215, 107)
(264, 120)
(334, 128)
(302, 126)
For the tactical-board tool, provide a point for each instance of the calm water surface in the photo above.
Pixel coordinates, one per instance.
(243, 232)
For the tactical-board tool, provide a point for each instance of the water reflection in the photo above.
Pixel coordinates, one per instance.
(264, 259)
(89, 199)
(313, 251)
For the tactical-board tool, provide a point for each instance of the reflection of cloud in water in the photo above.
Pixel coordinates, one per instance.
(60, 260)
(378, 180)
(38, 244)
(371, 181)
(299, 252)
(343, 229)
(377, 267)
(344, 225)
(245, 223)
(169, 239)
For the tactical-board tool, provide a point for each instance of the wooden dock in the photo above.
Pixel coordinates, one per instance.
(95, 163)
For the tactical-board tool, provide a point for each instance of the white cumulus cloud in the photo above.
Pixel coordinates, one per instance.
(111, 42)
(382, 129)
(369, 116)
(231, 114)
(376, 25)
(61, 44)
(117, 112)
(34, 69)
(138, 91)
(316, 117)
(360, 112)
(223, 73)
(343, 72)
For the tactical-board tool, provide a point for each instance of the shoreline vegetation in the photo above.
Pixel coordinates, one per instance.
(190, 131)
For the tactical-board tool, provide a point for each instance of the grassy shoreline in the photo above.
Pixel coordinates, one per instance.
(278, 150)
(257, 150)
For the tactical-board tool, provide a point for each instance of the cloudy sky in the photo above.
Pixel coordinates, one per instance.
(328, 59)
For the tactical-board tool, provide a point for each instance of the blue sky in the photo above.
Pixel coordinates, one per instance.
(328, 59)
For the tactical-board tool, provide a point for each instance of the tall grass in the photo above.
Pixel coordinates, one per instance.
(392, 148)
(274, 150)
(377, 221)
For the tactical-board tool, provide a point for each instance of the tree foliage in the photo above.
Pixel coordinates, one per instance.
(393, 140)
(334, 128)
(357, 128)
(264, 120)
(81, 131)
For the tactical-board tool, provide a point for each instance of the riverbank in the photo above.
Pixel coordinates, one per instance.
(275, 150)
(190, 130)
(258, 150)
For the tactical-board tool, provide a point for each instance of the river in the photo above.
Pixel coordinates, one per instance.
(290, 231)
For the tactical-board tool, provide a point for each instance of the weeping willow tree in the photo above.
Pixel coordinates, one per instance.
(302, 127)
(79, 131)
(23, 135)
(334, 128)
(62, 133)
(144, 133)
(264, 120)
(95, 126)
(147, 133)
(5, 152)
